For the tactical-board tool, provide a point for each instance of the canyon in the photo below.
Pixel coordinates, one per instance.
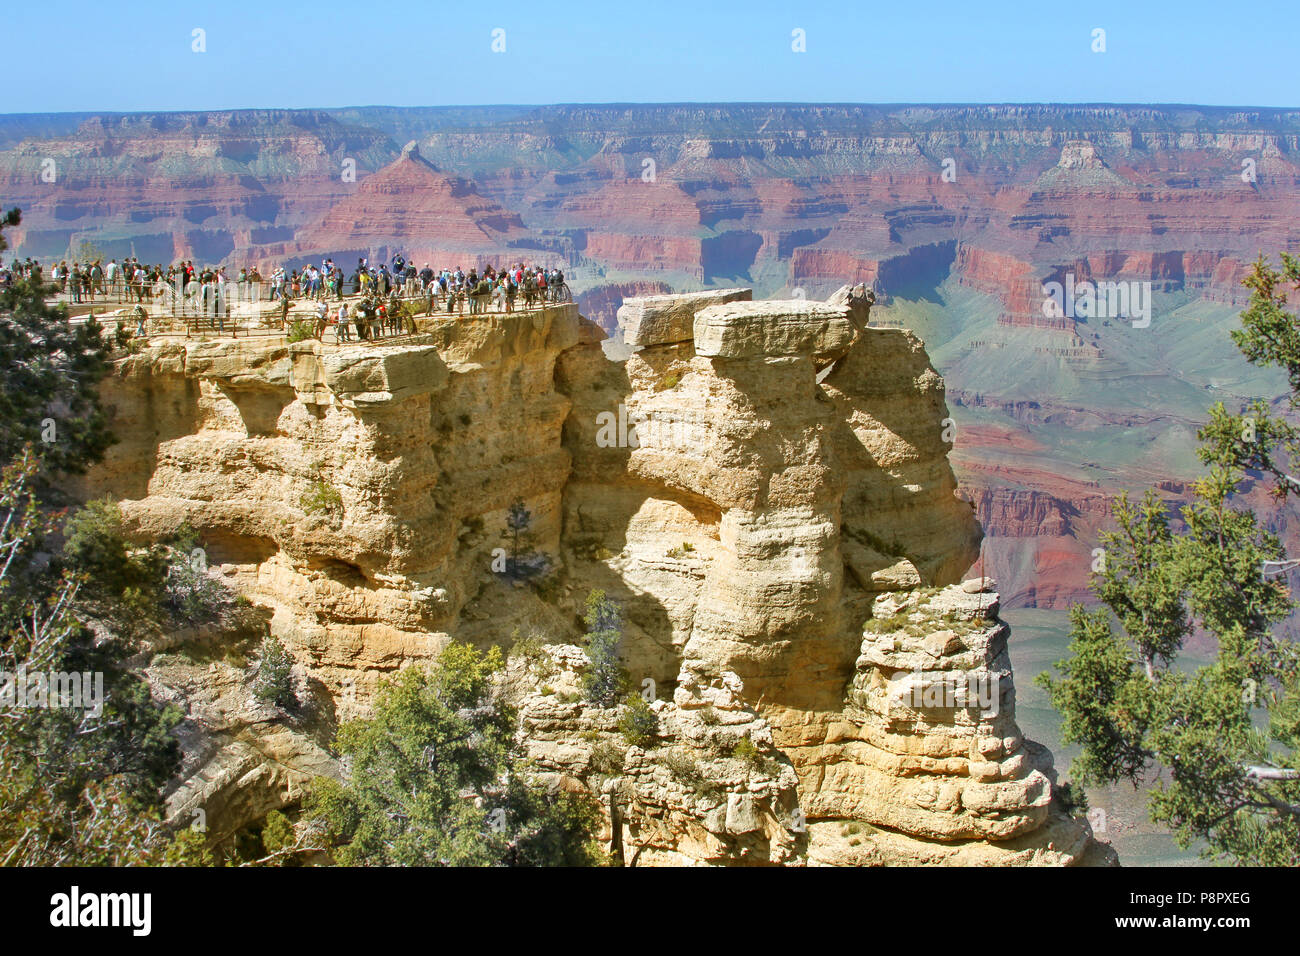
(955, 215)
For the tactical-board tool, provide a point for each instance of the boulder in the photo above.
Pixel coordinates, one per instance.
(741, 330)
(369, 375)
(666, 319)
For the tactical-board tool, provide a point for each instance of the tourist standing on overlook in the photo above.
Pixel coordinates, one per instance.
(342, 332)
(322, 319)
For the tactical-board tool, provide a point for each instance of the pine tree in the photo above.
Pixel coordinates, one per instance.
(519, 521)
(50, 370)
(605, 680)
(1220, 742)
(274, 681)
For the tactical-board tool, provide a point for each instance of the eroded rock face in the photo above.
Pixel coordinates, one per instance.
(753, 484)
(692, 798)
(761, 517)
(928, 747)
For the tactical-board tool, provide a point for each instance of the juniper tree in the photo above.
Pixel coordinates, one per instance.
(435, 779)
(605, 679)
(50, 371)
(274, 681)
(518, 522)
(1220, 742)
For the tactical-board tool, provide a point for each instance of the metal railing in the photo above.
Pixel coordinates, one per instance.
(179, 298)
(257, 309)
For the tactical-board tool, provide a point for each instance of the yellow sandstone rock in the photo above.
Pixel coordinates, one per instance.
(753, 484)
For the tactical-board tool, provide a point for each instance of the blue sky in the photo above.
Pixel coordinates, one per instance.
(99, 56)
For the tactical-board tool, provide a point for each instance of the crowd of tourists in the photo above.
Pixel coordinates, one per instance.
(499, 289)
(131, 280)
(210, 290)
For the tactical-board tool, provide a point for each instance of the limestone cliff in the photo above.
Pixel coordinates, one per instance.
(765, 488)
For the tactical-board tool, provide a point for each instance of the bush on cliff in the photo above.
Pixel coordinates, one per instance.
(274, 681)
(435, 778)
(80, 780)
(639, 724)
(605, 680)
(50, 371)
(135, 589)
(300, 331)
(322, 498)
(1222, 739)
(123, 584)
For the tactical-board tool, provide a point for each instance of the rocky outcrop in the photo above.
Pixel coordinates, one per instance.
(666, 319)
(759, 516)
(928, 749)
(711, 789)
(757, 330)
(753, 484)
(632, 200)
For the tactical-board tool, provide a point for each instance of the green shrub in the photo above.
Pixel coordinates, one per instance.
(527, 649)
(274, 681)
(122, 583)
(605, 680)
(300, 330)
(687, 770)
(277, 833)
(435, 779)
(639, 723)
(606, 759)
(745, 750)
(878, 625)
(191, 593)
(322, 498)
(1072, 797)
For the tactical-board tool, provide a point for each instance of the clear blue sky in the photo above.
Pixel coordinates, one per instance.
(100, 56)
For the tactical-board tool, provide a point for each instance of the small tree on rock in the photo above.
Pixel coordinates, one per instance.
(274, 682)
(605, 681)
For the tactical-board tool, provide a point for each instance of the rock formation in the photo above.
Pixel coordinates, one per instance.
(763, 486)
